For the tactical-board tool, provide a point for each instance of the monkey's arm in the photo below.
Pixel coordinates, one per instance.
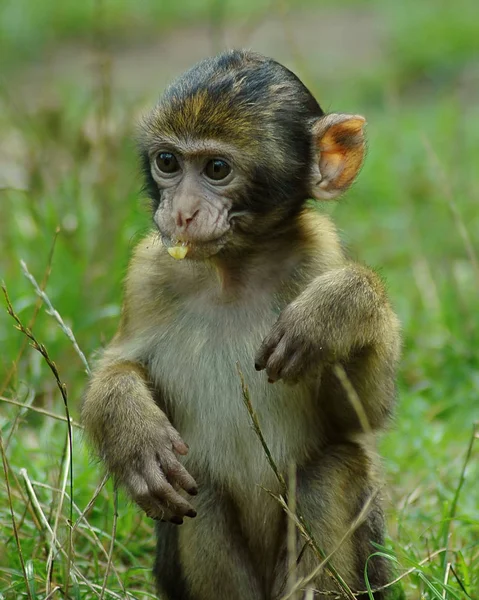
(130, 432)
(343, 316)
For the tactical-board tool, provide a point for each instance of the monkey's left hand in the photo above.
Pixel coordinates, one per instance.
(292, 347)
(339, 311)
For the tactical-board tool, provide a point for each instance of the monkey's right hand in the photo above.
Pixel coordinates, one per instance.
(143, 460)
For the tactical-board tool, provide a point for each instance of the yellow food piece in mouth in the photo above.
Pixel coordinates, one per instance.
(178, 252)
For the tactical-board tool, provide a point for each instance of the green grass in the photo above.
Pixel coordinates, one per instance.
(413, 214)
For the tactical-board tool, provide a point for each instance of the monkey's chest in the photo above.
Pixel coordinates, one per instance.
(195, 367)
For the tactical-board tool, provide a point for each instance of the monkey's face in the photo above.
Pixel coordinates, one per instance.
(233, 150)
(227, 154)
(197, 185)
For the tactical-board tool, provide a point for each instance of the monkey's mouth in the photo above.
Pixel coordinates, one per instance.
(192, 249)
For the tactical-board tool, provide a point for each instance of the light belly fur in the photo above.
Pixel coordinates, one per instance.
(194, 365)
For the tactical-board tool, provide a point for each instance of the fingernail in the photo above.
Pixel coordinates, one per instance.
(176, 520)
(257, 366)
(193, 491)
(271, 380)
(191, 513)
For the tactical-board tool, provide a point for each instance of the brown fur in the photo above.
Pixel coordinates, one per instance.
(344, 308)
(277, 295)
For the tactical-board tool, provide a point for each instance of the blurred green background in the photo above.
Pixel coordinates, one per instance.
(74, 79)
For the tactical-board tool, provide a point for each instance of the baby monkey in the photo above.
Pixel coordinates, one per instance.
(239, 269)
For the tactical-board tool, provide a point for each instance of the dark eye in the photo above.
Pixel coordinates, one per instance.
(167, 162)
(217, 169)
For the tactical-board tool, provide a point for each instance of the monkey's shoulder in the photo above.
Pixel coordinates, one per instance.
(146, 284)
(149, 258)
(320, 240)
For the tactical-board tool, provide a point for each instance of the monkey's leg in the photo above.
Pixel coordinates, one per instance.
(205, 558)
(330, 495)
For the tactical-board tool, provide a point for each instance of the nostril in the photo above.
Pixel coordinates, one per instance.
(193, 216)
(184, 218)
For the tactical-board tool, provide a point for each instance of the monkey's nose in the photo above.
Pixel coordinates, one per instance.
(184, 218)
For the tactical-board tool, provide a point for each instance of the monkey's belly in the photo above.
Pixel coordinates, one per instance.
(195, 371)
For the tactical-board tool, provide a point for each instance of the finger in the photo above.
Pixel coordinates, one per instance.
(160, 489)
(136, 485)
(267, 348)
(177, 474)
(178, 444)
(293, 368)
(155, 510)
(277, 360)
(138, 490)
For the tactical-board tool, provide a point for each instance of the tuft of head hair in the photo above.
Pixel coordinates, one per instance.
(247, 100)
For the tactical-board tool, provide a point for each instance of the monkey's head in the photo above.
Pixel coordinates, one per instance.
(235, 147)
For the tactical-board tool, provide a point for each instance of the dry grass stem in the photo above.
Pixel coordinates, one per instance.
(112, 546)
(291, 542)
(353, 397)
(83, 528)
(41, 411)
(56, 315)
(31, 323)
(53, 539)
(12, 515)
(63, 391)
(61, 386)
(298, 519)
(56, 589)
(257, 429)
(65, 471)
(302, 584)
(89, 506)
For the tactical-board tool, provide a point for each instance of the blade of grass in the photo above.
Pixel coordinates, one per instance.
(14, 523)
(63, 391)
(455, 501)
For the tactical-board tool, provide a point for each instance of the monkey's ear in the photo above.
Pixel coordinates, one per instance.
(340, 148)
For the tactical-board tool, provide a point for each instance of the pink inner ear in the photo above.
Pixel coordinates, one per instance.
(330, 166)
(340, 141)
